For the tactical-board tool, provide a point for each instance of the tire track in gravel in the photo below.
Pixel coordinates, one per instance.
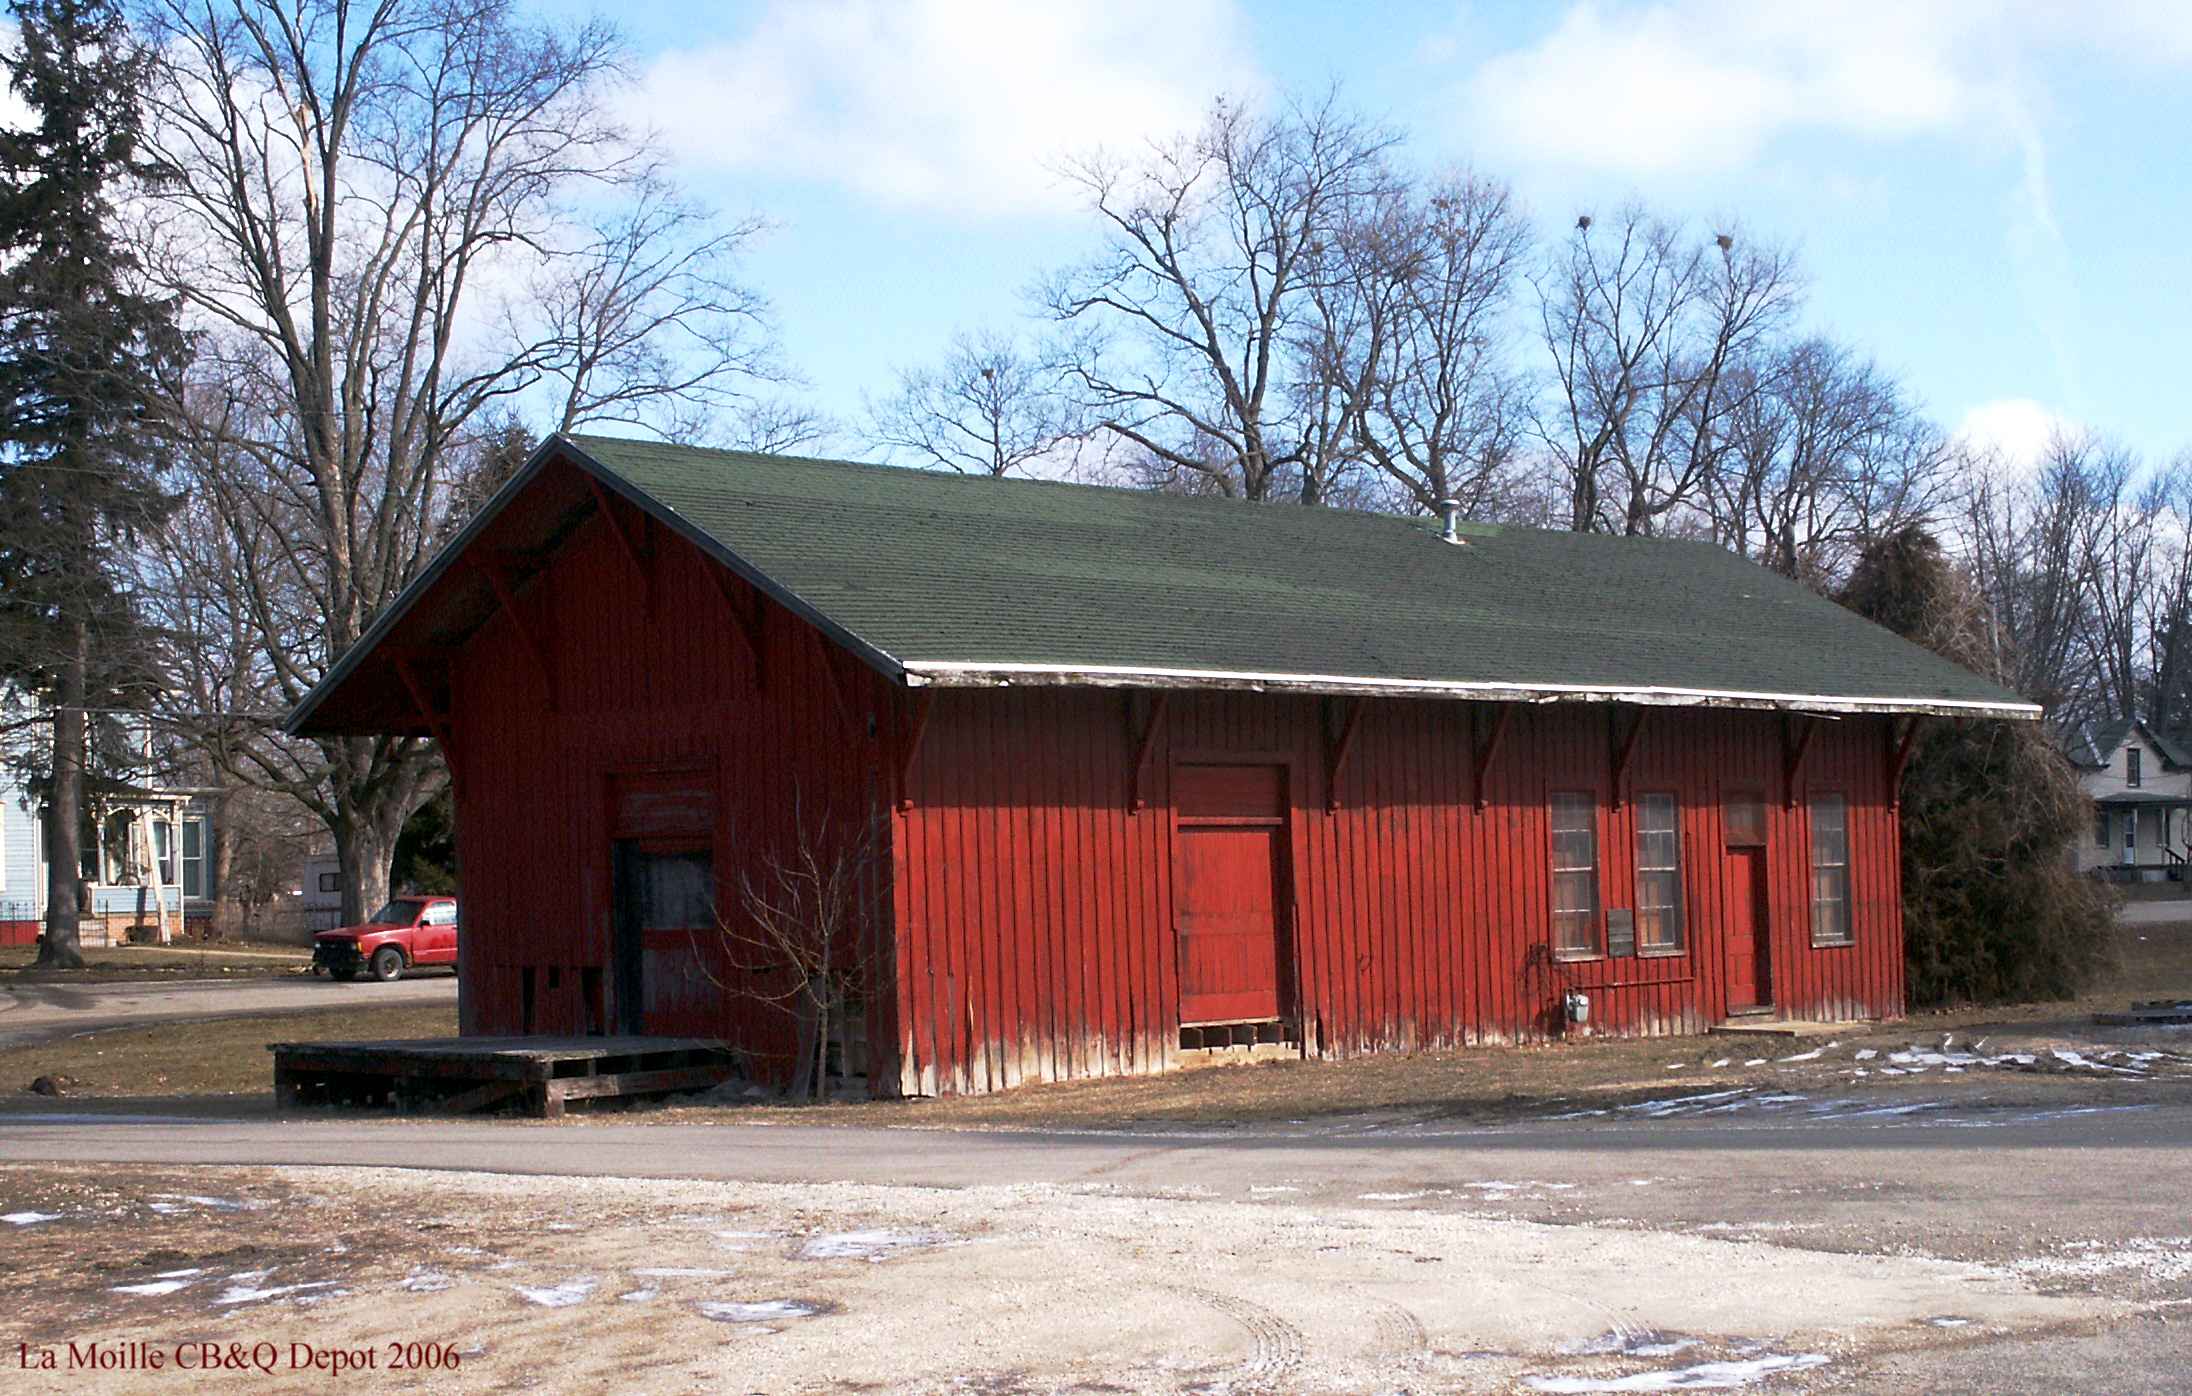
(1277, 1344)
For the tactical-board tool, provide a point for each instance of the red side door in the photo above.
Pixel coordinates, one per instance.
(1750, 959)
(1231, 904)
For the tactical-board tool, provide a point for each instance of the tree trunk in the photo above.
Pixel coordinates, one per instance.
(220, 858)
(364, 848)
(61, 948)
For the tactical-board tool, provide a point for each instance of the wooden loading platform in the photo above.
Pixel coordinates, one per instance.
(457, 1075)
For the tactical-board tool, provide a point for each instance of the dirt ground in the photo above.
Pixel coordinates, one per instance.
(568, 1285)
(182, 960)
(221, 1057)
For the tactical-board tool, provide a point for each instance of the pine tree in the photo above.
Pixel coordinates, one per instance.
(82, 351)
(1993, 906)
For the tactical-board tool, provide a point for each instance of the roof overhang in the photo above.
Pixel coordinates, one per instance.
(955, 674)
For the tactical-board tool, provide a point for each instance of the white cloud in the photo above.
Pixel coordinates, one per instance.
(945, 104)
(1706, 85)
(2016, 428)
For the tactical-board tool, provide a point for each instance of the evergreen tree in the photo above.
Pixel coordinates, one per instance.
(82, 350)
(1993, 906)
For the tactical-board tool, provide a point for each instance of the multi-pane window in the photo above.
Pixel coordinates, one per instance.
(194, 856)
(2133, 758)
(1575, 875)
(1830, 879)
(1658, 876)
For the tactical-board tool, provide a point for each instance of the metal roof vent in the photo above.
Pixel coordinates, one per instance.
(1450, 520)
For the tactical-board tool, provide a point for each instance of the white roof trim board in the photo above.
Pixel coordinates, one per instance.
(954, 674)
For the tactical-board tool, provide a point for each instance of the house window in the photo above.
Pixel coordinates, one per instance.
(163, 849)
(2100, 828)
(330, 883)
(2131, 767)
(1830, 880)
(1658, 876)
(1575, 875)
(197, 834)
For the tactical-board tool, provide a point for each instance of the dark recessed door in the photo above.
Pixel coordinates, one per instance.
(1231, 902)
(665, 919)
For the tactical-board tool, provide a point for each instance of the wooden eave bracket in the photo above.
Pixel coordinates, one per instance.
(498, 578)
(1624, 747)
(918, 705)
(840, 690)
(1899, 759)
(1797, 732)
(437, 723)
(747, 615)
(637, 550)
(1487, 747)
(1337, 748)
(1144, 742)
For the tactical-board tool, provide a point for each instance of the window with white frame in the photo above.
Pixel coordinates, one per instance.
(1830, 877)
(1576, 926)
(197, 838)
(2133, 760)
(1658, 875)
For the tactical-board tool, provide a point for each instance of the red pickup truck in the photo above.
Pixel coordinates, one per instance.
(406, 933)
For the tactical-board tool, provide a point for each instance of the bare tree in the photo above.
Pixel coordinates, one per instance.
(351, 181)
(1643, 324)
(1825, 452)
(2024, 540)
(1407, 340)
(807, 938)
(990, 408)
(1190, 319)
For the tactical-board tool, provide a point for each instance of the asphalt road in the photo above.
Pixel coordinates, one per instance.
(31, 1013)
(2009, 1186)
(1970, 1183)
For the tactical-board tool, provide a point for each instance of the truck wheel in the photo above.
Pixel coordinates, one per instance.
(388, 964)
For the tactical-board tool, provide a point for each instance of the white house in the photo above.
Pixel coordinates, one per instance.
(2140, 782)
(146, 860)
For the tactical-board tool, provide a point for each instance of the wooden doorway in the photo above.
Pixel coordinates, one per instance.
(1232, 898)
(1749, 924)
(663, 913)
(665, 918)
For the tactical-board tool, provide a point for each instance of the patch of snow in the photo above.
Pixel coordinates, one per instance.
(2151, 1257)
(674, 1272)
(865, 1245)
(562, 1296)
(1866, 1054)
(427, 1282)
(638, 1296)
(1756, 1061)
(153, 1287)
(1705, 1376)
(217, 1204)
(1724, 1061)
(758, 1311)
(1401, 1196)
(1259, 1190)
(250, 1294)
(1949, 1321)
(28, 1218)
(1813, 1055)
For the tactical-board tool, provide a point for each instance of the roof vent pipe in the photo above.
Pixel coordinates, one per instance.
(1450, 520)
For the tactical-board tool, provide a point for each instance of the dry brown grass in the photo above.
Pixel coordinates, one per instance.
(193, 960)
(221, 1057)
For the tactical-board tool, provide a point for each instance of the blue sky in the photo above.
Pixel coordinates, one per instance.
(1990, 198)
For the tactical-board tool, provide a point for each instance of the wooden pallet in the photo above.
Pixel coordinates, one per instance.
(2161, 1012)
(462, 1074)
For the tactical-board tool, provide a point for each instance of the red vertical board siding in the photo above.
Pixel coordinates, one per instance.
(1418, 920)
(640, 683)
(1030, 929)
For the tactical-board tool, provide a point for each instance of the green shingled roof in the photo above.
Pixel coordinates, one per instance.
(951, 579)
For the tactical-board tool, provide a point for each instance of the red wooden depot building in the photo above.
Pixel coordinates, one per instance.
(1140, 770)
